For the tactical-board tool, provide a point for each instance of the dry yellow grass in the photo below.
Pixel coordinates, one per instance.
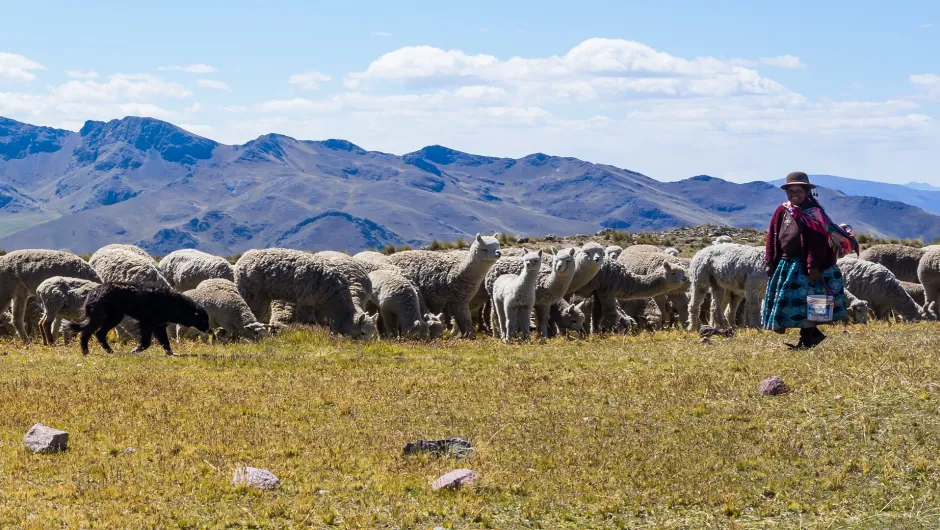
(653, 430)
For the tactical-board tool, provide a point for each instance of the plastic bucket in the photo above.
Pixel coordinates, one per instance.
(819, 308)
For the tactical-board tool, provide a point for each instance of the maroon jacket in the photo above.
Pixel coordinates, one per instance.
(816, 252)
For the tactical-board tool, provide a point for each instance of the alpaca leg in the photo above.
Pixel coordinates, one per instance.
(718, 305)
(461, 314)
(499, 329)
(664, 311)
(512, 321)
(43, 331)
(541, 317)
(389, 323)
(56, 327)
(695, 307)
(19, 316)
(525, 314)
(734, 300)
(609, 309)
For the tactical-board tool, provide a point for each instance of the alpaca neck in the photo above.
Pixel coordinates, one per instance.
(642, 285)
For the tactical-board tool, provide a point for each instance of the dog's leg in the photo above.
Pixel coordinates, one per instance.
(160, 333)
(146, 336)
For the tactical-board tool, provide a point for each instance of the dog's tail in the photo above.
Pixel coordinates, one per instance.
(76, 327)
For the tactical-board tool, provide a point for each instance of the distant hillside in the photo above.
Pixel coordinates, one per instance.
(144, 181)
(924, 197)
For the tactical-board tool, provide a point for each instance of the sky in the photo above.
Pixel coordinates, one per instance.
(670, 89)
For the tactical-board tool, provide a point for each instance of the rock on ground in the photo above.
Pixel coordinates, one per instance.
(255, 477)
(43, 439)
(773, 386)
(455, 479)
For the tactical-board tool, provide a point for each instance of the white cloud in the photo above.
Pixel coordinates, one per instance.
(309, 80)
(381, 34)
(191, 69)
(212, 83)
(201, 130)
(928, 82)
(78, 74)
(15, 67)
(780, 61)
(925, 26)
(120, 86)
(595, 68)
(195, 107)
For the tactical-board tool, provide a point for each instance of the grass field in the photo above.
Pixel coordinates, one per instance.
(652, 430)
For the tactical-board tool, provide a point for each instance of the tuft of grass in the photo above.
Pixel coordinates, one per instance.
(652, 430)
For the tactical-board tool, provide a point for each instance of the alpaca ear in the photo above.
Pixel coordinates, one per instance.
(540, 253)
(525, 250)
(479, 238)
(361, 318)
(579, 305)
(553, 250)
(375, 319)
(440, 316)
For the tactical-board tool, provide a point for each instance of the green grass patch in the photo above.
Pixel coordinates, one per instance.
(619, 432)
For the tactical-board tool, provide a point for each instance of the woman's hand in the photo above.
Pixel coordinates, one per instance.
(813, 274)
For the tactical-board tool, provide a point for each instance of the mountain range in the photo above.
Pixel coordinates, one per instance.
(916, 194)
(148, 182)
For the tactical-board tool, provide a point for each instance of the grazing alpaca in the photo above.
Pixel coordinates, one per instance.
(514, 297)
(152, 307)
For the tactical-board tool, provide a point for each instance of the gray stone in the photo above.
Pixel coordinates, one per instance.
(255, 477)
(455, 479)
(42, 439)
(456, 447)
(773, 386)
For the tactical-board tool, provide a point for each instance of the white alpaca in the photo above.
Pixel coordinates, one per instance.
(514, 297)
(732, 269)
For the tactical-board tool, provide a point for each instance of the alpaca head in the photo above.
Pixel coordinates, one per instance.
(672, 251)
(573, 317)
(485, 249)
(591, 252)
(860, 310)
(612, 252)
(419, 330)
(675, 276)
(531, 260)
(435, 324)
(563, 262)
(364, 327)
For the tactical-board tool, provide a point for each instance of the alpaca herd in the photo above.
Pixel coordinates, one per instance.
(419, 294)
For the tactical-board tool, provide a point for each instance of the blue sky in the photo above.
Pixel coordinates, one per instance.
(675, 89)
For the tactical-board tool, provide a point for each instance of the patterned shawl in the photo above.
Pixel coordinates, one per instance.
(815, 218)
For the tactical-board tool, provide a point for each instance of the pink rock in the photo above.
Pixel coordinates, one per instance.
(455, 479)
(773, 386)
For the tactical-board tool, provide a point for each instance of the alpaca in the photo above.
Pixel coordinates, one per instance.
(728, 269)
(303, 282)
(186, 268)
(447, 282)
(928, 273)
(514, 297)
(879, 287)
(614, 282)
(901, 260)
(552, 284)
(22, 271)
(152, 307)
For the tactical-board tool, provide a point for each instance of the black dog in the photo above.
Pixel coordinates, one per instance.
(154, 308)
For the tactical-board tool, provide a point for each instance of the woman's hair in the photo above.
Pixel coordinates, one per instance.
(811, 198)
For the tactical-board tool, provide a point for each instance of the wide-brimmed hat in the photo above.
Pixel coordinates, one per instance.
(798, 177)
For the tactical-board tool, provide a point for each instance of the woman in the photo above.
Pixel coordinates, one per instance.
(802, 247)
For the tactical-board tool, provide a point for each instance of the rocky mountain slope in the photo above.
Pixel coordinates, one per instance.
(145, 181)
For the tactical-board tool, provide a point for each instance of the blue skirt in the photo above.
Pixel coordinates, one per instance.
(785, 301)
